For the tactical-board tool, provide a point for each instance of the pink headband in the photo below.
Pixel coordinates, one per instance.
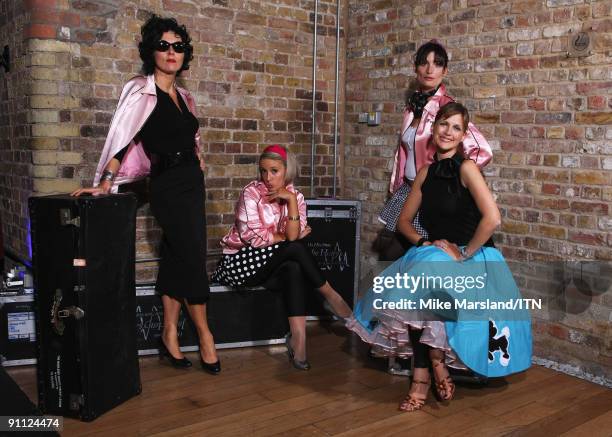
(275, 148)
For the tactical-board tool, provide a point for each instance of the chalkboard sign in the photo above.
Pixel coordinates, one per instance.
(334, 242)
(238, 318)
(150, 323)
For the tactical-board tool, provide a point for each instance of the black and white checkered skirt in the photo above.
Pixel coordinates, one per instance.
(392, 209)
(242, 267)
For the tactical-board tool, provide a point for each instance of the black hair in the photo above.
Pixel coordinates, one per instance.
(440, 55)
(151, 33)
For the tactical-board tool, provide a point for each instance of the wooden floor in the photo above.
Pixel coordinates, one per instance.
(345, 393)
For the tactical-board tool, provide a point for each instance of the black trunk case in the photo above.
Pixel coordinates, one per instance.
(83, 256)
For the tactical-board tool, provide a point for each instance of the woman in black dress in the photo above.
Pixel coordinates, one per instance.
(156, 118)
(460, 215)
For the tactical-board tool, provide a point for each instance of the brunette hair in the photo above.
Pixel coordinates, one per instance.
(440, 55)
(152, 32)
(453, 108)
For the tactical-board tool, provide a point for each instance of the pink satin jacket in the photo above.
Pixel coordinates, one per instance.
(136, 103)
(257, 219)
(475, 146)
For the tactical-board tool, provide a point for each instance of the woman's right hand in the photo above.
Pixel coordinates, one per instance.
(307, 230)
(281, 193)
(450, 248)
(103, 188)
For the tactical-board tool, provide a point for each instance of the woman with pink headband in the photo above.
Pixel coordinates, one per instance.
(263, 247)
(415, 148)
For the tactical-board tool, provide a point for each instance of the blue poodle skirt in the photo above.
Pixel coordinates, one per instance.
(471, 310)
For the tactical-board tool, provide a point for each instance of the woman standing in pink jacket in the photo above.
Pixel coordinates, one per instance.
(154, 132)
(263, 247)
(415, 148)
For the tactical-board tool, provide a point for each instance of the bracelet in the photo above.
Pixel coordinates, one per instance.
(463, 253)
(107, 175)
(421, 241)
(294, 218)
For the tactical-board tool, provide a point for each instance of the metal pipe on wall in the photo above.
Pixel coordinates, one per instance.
(336, 95)
(314, 95)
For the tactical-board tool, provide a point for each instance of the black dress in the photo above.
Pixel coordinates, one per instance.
(448, 210)
(177, 201)
(483, 340)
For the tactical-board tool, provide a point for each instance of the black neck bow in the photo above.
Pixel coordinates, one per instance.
(418, 100)
(449, 168)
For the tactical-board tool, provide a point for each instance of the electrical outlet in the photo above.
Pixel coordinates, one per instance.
(373, 118)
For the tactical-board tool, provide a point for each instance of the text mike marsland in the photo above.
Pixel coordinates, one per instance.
(457, 304)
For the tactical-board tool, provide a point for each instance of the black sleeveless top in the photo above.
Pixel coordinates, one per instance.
(167, 129)
(448, 210)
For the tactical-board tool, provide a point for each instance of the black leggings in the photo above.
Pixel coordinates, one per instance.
(421, 350)
(292, 271)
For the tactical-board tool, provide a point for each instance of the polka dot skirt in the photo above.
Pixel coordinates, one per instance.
(237, 268)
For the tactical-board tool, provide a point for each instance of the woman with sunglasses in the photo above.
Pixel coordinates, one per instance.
(415, 149)
(154, 132)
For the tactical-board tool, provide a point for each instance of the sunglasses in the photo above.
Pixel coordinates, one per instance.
(164, 46)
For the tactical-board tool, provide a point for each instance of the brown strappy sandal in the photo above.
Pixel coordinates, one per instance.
(412, 403)
(445, 387)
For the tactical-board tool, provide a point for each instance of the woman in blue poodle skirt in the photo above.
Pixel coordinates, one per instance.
(451, 299)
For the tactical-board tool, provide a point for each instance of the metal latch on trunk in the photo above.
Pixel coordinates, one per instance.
(57, 314)
(73, 311)
(76, 401)
(67, 219)
(58, 325)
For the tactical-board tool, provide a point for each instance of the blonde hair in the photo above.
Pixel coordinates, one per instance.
(290, 164)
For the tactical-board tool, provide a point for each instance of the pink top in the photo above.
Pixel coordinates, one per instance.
(257, 219)
(137, 102)
(475, 146)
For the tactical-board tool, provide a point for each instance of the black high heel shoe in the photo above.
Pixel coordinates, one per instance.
(178, 363)
(212, 368)
(300, 365)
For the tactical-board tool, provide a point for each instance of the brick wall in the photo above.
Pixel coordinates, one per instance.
(15, 156)
(251, 76)
(547, 116)
(41, 97)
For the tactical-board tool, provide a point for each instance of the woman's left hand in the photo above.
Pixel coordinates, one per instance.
(307, 230)
(202, 164)
(281, 193)
(450, 248)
